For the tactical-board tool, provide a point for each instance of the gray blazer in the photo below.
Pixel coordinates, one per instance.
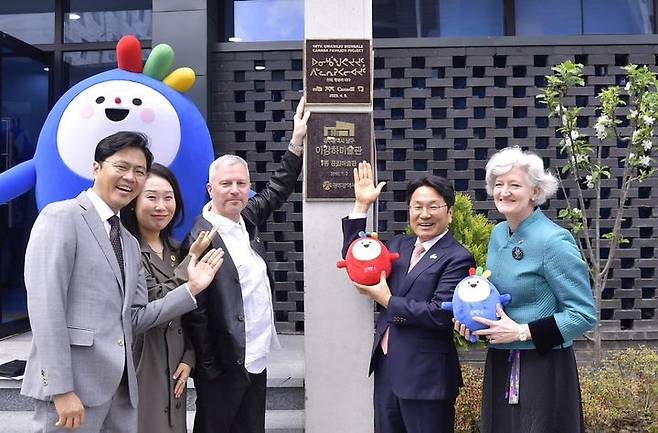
(83, 316)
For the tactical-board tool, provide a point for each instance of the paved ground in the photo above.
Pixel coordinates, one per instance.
(286, 370)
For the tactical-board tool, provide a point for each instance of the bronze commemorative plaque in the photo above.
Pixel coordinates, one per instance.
(335, 144)
(338, 71)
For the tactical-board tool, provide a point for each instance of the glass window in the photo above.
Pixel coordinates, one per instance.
(541, 17)
(433, 18)
(617, 16)
(268, 20)
(79, 65)
(24, 107)
(107, 20)
(30, 21)
(462, 18)
(394, 19)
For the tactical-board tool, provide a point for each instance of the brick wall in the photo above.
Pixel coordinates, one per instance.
(444, 109)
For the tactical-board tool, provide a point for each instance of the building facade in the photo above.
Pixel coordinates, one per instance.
(454, 81)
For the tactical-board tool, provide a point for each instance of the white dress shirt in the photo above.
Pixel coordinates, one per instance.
(260, 334)
(430, 243)
(103, 210)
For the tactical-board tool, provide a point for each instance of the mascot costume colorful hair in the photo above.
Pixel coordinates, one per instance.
(475, 295)
(129, 98)
(366, 258)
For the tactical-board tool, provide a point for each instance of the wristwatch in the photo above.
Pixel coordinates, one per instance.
(295, 148)
(523, 336)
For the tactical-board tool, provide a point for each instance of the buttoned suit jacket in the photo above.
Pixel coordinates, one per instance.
(421, 352)
(83, 315)
(217, 327)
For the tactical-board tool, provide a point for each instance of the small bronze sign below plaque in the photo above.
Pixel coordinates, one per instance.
(338, 71)
(335, 144)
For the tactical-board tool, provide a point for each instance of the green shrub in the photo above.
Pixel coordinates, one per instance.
(621, 396)
(467, 406)
(470, 229)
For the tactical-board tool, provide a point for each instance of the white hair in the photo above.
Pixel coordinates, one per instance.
(225, 160)
(508, 158)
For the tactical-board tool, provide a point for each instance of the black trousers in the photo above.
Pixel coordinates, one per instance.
(397, 415)
(233, 403)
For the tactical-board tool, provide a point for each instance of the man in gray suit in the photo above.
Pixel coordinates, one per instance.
(87, 297)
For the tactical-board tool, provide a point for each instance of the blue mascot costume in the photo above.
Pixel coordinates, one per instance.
(129, 98)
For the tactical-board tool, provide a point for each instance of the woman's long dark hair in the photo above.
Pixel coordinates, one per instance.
(129, 216)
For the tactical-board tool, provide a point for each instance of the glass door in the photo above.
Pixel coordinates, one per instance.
(24, 104)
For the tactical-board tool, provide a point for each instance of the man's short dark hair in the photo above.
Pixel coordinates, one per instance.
(439, 184)
(122, 140)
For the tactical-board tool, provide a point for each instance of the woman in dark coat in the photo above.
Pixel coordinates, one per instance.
(163, 356)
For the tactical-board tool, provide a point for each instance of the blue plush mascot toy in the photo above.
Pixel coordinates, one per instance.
(474, 296)
(133, 97)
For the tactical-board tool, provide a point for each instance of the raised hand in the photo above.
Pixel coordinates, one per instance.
(300, 119)
(202, 242)
(365, 191)
(201, 273)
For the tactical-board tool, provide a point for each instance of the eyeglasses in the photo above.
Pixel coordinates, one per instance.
(123, 168)
(430, 209)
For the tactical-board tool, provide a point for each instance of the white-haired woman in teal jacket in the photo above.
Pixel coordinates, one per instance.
(530, 378)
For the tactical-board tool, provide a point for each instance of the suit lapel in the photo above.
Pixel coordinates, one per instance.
(431, 258)
(97, 228)
(405, 251)
(161, 265)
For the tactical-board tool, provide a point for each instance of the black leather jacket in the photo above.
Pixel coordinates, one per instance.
(216, 328)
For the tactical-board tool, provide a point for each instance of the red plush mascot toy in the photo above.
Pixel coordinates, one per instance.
(366, 258)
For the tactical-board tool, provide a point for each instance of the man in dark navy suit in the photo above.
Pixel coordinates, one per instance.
(417, 374)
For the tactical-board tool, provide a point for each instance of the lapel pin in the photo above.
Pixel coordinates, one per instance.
(173, 258)
(517, 253)
(433, 257)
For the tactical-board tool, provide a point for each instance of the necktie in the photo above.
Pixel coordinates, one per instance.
(415, 258)
(115, 240)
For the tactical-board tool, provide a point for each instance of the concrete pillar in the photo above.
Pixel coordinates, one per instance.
(338, 321)
(184, 26)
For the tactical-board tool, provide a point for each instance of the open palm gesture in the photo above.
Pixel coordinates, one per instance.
(299, 122)
(200, 273)
(365, 191)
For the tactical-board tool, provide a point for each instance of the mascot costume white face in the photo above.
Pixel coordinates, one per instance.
(130, 98)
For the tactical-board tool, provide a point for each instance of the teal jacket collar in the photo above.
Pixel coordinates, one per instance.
(525, 225)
